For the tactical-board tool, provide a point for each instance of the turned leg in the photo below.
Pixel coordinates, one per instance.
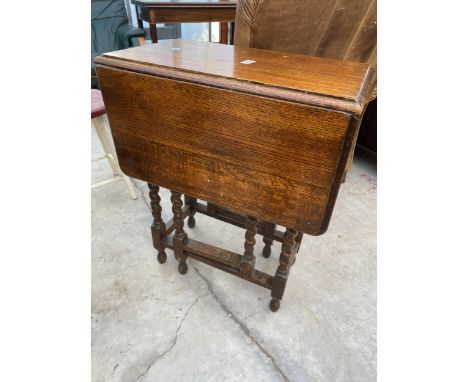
(192, 202)
(247, 264)
(158, 228)
(180, 237)
(268, 233)
(231, 33)
(281, 276)
(153, 33)
(223, 32)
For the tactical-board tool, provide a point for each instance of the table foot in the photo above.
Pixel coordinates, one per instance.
(162, 257)
(158, 228)
(268, 238)
(183, 268)
(247, 264)
(275, 304)
(191, 222)
(266, 251)
(192, 202)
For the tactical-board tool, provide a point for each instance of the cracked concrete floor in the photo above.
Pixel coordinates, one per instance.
(149, 323)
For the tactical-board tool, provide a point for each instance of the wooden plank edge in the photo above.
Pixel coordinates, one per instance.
(347, 145)
(203, 253)
(230, 84)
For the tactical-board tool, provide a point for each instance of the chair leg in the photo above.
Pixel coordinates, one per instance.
(192, 202)
(282, 273)
(180, 237)
(129, 184)
(158, 228)
(99, 124)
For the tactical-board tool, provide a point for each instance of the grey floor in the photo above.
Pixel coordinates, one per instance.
(149, 323)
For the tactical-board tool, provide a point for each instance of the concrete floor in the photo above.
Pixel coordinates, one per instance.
(149, 323)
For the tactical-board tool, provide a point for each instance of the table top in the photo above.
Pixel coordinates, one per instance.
(268, 137)
(186, 3)
(296, 75)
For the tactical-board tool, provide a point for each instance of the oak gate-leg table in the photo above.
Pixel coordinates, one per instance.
(263, 137)
(186, 11)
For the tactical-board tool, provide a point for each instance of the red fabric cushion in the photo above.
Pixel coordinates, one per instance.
(97, 104)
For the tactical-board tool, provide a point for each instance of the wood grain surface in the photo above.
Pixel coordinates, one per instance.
(255, 152)
(302, 74)
(189, 14)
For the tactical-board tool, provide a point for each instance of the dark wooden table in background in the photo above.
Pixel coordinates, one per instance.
(186, 11)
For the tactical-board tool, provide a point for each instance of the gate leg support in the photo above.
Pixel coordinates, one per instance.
(282, 273)
(158, 228)
(247, 264)
(180, 237)
(192, 202)
(268, 234)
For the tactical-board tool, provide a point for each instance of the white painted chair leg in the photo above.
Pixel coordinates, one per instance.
(99, 124)
(129, 185)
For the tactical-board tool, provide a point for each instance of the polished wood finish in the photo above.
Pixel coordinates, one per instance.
(228, 261)
(182, 11)
(170, 223)
(279, 161)
(223, 33)
(268, 238)
(247, 265)
(192, 204)
(263, 143)
(303, 79)
(158, 228)
(186, 15)
(180, 237)
(153, 33)
(233, 171)
(232, 29)
(281, 276)
(221, 259)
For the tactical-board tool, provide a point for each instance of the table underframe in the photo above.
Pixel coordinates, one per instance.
(171, 235)
(154, 14)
